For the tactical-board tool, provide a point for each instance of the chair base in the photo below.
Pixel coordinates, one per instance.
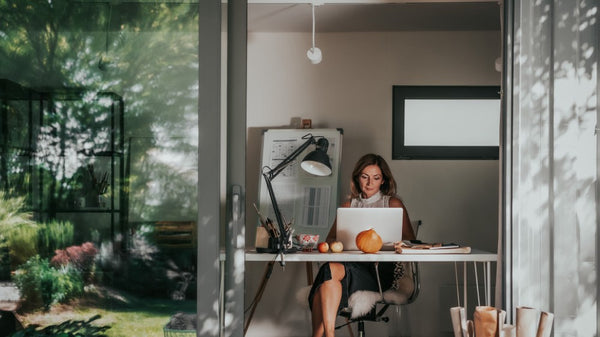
(373, 316)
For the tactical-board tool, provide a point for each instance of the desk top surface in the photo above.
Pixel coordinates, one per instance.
(384, 256)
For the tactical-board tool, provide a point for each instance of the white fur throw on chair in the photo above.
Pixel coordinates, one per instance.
(361, 302)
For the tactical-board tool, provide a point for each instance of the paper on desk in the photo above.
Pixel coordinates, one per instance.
(423, 245)
(409, 248)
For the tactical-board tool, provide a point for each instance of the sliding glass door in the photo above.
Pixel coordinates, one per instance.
(105, 108)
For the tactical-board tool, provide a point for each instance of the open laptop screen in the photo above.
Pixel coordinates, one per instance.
(387, 222)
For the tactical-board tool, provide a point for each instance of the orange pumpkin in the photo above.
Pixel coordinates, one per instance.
(368, 241)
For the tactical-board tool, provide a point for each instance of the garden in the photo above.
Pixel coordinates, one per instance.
(98, 150)
(89, 288)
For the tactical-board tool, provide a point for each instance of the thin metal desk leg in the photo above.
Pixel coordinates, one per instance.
(488, 267)
(259, 292)
(465, 285)
(309, 273)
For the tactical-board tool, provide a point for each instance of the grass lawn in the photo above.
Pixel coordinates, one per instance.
(126, 314)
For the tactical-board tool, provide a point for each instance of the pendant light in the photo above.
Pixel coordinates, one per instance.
(314, 54)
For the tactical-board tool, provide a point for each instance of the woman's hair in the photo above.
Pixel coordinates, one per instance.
(388, 186)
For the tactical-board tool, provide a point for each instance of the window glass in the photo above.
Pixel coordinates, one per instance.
(98, 164)
(446, 122)
(460, 122)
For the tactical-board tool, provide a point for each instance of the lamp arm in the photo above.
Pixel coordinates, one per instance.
(285, 162)
(282, 232)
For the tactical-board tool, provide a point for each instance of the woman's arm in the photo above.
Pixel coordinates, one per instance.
(331, 236)
(407, 230)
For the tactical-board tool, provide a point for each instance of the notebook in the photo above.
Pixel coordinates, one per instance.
(387, 222)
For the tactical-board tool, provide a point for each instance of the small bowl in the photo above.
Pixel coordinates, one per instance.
(308, 242)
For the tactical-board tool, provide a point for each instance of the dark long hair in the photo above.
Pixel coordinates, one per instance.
(388, 187)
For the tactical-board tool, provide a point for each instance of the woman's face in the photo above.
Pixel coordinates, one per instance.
(370, 180)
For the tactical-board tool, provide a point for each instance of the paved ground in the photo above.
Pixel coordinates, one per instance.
(9, 296)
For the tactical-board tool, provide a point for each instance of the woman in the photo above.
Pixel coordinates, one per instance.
(372, 185)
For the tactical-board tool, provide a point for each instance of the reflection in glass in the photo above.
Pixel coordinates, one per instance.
(98, 157)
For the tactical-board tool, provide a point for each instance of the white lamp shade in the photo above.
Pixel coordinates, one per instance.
(314, 55)
(316, 168)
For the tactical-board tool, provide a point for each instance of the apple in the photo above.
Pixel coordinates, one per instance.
(337, 247)
(323, 247)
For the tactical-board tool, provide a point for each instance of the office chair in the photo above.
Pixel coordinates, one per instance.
(377, 314)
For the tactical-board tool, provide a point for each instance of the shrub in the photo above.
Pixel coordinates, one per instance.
(54, 235)
(164, 270)
(4, 259)
(12, 211)
(17, 230)
(42, 284)
(80, 257)
(22, 243)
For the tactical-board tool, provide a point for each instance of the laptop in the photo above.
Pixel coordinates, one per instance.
(387, 222)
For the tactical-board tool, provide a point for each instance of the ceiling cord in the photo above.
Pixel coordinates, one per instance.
(314, 54)
(313, 26)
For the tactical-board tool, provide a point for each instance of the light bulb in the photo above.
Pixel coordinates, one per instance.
(314, 55)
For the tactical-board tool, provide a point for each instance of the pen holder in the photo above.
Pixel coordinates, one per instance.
(273, 243)
(267, 244)
(272, 247)
(262, 238)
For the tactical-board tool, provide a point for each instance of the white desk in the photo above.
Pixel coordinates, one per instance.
(474, 256)
(387, 256)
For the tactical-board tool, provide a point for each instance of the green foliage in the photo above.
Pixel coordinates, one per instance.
(54, 235)
(4, 259)
(155, 282)
(12, 212)
(59, 44)
(42, 284)
(17, 231)
(66, 329)
(22, 243)
(22, 238)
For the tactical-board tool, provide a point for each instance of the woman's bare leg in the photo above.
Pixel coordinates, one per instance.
(328, 298)
(317, 316)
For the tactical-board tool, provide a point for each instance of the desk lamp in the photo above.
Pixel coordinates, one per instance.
(315, 163)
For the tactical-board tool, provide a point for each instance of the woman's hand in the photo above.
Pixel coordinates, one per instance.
(398, 247)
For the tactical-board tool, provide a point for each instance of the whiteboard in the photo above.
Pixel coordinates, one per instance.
(309, 202)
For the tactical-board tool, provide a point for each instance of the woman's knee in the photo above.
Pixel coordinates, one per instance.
(337, 271)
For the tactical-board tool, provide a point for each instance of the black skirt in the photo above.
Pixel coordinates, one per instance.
(359, 276)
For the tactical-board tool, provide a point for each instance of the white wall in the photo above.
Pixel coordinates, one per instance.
(352, 89)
